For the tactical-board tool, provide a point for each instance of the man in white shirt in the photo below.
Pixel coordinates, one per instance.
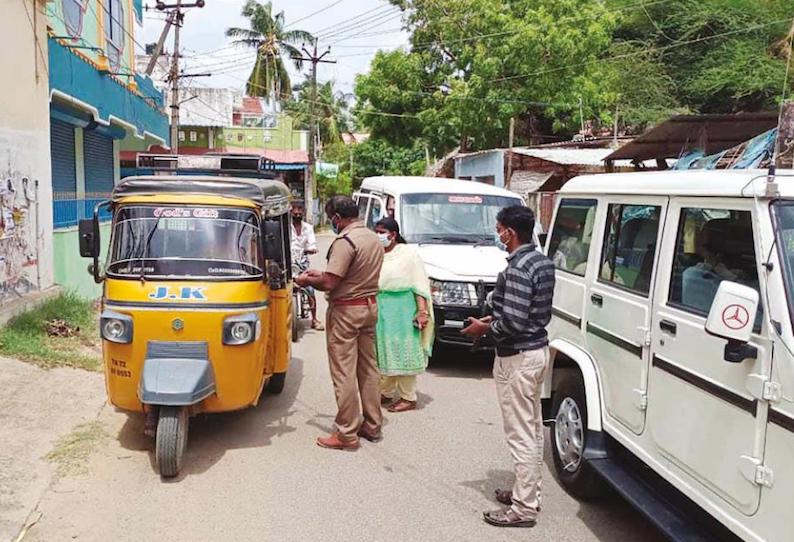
(302, 244)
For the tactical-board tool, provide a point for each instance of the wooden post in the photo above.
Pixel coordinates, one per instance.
(784, 145)
(510, 152)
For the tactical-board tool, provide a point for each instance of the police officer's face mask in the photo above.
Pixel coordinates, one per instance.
(335, 223)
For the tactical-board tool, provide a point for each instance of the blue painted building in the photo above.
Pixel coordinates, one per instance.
(98, 105)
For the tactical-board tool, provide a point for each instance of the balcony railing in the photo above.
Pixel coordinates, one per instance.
(67, 209)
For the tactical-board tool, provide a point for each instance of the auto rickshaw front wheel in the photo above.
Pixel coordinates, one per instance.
(171, 439)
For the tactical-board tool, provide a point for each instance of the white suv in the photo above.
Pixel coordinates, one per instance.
(673, 375)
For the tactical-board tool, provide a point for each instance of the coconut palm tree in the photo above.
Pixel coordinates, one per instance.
(273, 44)
(331, 110)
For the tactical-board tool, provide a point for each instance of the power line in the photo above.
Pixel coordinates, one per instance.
(326, 8)
(349, 19)
(369, 23)
(354, 21)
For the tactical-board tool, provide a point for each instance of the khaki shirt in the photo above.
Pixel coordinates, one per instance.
(355, 256)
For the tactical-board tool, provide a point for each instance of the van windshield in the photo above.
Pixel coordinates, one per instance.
(451, 218)
(185, 242)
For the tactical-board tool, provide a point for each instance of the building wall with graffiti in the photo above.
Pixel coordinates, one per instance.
(25, 176)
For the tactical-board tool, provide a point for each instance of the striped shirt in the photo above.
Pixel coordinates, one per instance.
(522, 302)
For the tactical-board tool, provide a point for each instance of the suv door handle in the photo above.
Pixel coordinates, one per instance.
(668, 326)
(597, 300)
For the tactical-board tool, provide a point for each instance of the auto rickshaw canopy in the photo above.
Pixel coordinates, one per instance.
(270, 194)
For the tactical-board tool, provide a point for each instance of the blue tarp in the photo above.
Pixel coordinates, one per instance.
(758, 149)
(686, 161)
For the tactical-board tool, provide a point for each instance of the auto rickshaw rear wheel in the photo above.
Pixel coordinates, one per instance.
(276, 383)
(171, 439)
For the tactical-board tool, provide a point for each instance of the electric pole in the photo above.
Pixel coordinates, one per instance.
(179, 17)
(175, 18)
(308, 182)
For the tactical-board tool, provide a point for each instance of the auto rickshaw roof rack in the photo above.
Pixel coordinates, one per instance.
(220, 164)
(272, 195)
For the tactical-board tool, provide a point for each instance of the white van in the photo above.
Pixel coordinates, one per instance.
(673, 368)
(453, 223)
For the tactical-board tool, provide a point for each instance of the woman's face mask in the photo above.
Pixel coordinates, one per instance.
(385, 239)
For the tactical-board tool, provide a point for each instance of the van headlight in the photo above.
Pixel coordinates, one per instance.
(242, 329)
(115, 327)
(459, 294)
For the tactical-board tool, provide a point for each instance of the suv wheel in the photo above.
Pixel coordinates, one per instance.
(569, 439)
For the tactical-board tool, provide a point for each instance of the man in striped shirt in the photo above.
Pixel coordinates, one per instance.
(521, 311)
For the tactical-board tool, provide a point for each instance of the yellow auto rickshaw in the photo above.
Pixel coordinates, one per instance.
(197, 293)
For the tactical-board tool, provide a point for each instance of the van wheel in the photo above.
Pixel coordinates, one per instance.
(276, 383)
(295, 322)
(569, 439)
(171, 440)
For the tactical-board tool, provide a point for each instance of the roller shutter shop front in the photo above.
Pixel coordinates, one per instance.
(64, 170)
(98, 160)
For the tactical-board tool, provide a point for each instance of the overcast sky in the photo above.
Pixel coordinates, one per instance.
(355, 29)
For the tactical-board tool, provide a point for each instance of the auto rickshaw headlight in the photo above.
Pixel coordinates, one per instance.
(241, 329)
(115, 327)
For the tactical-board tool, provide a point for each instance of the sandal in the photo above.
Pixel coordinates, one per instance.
(507, 518)
(402, 406)
(385, 401)
(318, 325)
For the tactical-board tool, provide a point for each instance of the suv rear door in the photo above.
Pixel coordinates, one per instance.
(701, 416)
(618, 304)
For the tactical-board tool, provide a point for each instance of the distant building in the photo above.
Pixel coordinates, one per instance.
(224, 120)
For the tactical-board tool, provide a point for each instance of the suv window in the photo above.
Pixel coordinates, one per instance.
(374, 213)
(712, 245)
(572, 234)
(630, 246)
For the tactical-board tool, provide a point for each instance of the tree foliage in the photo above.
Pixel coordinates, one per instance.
(273, 44)
(331, 109)
(721, 55)
(472, 65)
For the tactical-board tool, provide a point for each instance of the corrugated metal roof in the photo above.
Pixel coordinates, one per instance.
(526, 182)
(578, 157)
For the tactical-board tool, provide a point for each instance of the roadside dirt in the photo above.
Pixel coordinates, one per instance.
(37, 408)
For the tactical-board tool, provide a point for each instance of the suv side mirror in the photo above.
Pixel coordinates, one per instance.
(732, 317)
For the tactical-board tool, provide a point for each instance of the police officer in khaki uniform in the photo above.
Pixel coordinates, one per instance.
(351, 280)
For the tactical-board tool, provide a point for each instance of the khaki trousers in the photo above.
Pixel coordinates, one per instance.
(350, 334)
(518, 382)
(405, 385)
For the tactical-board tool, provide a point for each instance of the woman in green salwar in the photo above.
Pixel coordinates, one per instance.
(404, 333)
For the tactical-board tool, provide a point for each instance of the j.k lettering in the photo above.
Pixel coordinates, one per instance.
(186, 292)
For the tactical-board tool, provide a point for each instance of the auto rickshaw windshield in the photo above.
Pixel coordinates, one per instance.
(185, 242)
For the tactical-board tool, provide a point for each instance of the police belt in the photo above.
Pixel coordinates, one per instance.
(358, 302)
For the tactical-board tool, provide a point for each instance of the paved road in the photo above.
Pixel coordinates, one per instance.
(257, 474)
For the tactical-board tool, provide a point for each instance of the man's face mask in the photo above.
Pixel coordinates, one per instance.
(335, 223)
(501, 239)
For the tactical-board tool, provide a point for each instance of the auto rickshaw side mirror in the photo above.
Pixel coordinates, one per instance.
(273, 247)
(88, 231)
(273, 250)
